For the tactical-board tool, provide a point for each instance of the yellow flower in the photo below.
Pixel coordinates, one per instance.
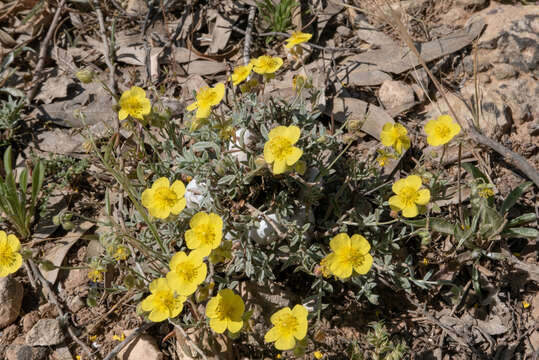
(10, 258)
(318, 355)
(266, 64)
(289, 325)
(225, 311)
(383, 156)
(395, 135)
(241, 73)
(78, 357)
(96, 275)
(186, 272)
(162, 303)
(162, 199)
(297, 38)
(92, 338)
(135, 103)
(96, 271)
(206, 99)
(121, 337)
(486, 192)
(119, 252)
(441, 130)
(408, 196)
(205, 234)
(280, 149)
(525, 304)
(348, 254)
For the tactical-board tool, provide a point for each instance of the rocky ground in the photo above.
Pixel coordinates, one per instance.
(472, 47)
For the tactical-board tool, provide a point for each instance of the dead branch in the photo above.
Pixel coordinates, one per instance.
(36, 79)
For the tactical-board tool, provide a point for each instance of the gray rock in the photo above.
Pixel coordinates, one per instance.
(470, 3)
(396, 94)
(46, 332)
(11, 293)
(144, 347)
(62, 353)
(504, 71)
(25, 352)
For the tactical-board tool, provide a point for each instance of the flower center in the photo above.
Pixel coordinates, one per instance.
(134, 106)
(288, 325)
(164, 301)
(442, 131)
(355, 258)
(280, 147)
(187, 271)
(223, 310)
(207, 98)
(205, 233)
(408, 196)
(7, 256)
(268, 63)
(165, 197)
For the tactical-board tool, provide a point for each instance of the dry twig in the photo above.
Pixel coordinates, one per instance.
(248, 35)
(36, 79)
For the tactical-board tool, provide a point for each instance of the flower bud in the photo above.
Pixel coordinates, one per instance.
(85, 76)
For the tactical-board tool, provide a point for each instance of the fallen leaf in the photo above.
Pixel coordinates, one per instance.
(57, 254)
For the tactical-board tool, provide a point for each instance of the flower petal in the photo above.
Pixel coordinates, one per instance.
(292, 134)
(200, 218)
(234, 326)
(212, 306)
(192, 106)
(410, 211)
(161, 182)
(13, 242)
(158, 316)
(413, 181)
(365, 266)
(122, 114)
(293, 156)
(360, 243)
(219, 92)
(218, 325)
(203, 112)
(285, 343)
(191, 239)
(396, 203)
(178, 206)
(272, 335)
(278, 131)
(339, 241)
(269, 157)
(279, 166)
(3, 236)
(399, 185)
(147, 198)
(159, 212)
(424, 197)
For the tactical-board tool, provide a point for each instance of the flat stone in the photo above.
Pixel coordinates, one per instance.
(396, 94)
(144, 347)
(46, 332)
(25, 352)
(11, 293)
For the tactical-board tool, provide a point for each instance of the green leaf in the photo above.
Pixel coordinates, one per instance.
(475, 172)
(7, 161)
(514, 195)
(226, 180)
(37, 181)
(436, 224)
(203, 145)
(23, 181)
(521, 232)
(522, 219)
